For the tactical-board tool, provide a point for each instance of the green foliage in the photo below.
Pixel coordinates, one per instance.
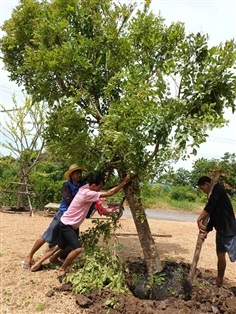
(203, 166)
(136, 278)
(8, 169)
(202, 285)
(156, 279)
(48, 175)
(227, 166)
(23, 134)
(47, 179)
(182, 177)
(151, 193)
(112, 303)
(160, 197)
(48, 190)
(23, 131)
(98, 269)
(150, 190)
(181, 193)
(100, 229)
(111, 96)
(40, 307)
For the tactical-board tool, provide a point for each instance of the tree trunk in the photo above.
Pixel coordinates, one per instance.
(153, 262)
(20, 197)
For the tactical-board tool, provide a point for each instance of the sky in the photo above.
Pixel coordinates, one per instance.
(212, 17)
(217, 19)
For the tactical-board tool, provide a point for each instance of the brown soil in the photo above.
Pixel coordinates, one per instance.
(23, 291)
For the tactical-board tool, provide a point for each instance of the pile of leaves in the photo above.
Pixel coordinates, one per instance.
(98, 270)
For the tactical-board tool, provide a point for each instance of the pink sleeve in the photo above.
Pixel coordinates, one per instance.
(93, 196)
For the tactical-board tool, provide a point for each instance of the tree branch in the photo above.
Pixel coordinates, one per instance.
(154, 153)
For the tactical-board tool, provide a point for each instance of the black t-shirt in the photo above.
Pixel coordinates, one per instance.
(220, 210)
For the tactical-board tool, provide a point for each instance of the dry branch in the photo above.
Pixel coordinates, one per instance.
(124, 234)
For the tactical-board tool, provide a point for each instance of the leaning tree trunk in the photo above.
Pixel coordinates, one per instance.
(153, 262)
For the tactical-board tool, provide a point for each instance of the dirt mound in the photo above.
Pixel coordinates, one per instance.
(204, 299)
(174, 295)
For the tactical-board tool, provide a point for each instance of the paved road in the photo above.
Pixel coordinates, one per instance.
(165, 215)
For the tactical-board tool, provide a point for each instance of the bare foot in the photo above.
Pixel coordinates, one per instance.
(219, 282)
(61, 275)
(61, 271)
(37, 266)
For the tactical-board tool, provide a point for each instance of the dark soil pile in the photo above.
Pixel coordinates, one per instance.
(171, 281)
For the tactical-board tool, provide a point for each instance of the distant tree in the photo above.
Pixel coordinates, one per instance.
(8, 169)
(22, 135)
(182, 177)
(226, 166)
(203, 167)
(126, 91)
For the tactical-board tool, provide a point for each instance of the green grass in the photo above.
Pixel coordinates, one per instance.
(40, 307)
(165, 202)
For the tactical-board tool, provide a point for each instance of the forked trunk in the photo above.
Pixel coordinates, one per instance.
(153, 262)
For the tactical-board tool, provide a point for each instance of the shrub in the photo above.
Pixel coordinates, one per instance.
(181, 193)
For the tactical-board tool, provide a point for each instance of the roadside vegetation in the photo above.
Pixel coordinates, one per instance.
(178, 198)
(175, 190)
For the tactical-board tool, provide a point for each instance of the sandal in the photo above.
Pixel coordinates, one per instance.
(24, 265)
(213, 283)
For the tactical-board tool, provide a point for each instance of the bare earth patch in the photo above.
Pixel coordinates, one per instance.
(23, 291)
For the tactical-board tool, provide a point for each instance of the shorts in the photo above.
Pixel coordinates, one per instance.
(52, 233)
(226, 244)
(69, 237)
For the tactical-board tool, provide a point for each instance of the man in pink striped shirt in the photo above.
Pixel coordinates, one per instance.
(76, 214)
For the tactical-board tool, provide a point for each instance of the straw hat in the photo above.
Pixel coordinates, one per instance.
(72, 168)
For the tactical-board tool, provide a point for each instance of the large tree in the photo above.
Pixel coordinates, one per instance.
(226, 165)
(126, 91)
